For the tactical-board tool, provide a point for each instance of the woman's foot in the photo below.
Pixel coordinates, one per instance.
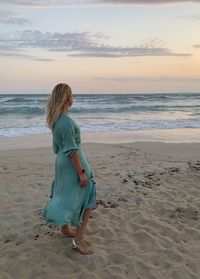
(82, 246)
(66, 230)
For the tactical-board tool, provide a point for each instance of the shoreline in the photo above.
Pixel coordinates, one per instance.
(188, 136)
(182, 151)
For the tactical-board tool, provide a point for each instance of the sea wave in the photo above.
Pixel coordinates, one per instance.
(95, 108)
(103, 127)
(25, 114)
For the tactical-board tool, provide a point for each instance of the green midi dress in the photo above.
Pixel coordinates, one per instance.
(68, 199)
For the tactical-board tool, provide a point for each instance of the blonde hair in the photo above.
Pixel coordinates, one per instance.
(56, 102)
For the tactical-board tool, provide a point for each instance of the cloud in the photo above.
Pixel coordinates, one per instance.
(7, 17)
(191, 17)
(23, 56)
(74, 3)
(145, 2)
(82, 44)
(150, 79)
(196, 46)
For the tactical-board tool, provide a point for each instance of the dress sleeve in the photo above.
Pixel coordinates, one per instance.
(68, 139)
(55, 147)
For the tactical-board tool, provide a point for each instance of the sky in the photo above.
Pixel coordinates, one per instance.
(104, 46)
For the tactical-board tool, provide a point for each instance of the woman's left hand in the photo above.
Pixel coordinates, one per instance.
(83, 180)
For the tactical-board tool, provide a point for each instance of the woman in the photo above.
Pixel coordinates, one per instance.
(73, 190)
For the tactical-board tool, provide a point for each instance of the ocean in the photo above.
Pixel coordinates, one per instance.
(23, 114)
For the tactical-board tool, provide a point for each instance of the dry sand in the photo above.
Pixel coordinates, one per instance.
(145, 226)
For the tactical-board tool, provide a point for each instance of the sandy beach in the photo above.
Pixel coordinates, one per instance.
(145, 226)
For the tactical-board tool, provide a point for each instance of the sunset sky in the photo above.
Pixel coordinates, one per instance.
(100, 46)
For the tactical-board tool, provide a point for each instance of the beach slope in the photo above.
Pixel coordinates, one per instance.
(145, 226)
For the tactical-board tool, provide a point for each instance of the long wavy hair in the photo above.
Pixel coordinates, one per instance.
(56, 103)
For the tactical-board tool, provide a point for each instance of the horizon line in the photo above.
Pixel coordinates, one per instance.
(117, 93)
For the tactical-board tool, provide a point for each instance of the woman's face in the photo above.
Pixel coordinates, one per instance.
(68, 103)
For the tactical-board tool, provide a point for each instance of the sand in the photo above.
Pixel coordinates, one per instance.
(145, 226)
(162, 135)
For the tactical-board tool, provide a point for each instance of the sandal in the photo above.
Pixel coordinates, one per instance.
(75, 246)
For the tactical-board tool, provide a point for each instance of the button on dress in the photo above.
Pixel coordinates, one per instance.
(68, 199)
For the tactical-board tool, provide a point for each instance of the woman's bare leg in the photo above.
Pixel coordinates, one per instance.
(83, 245)
(81, 229)
(79, 232)
(67, 230)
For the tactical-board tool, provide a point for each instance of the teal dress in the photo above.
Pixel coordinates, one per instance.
(68, 199)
